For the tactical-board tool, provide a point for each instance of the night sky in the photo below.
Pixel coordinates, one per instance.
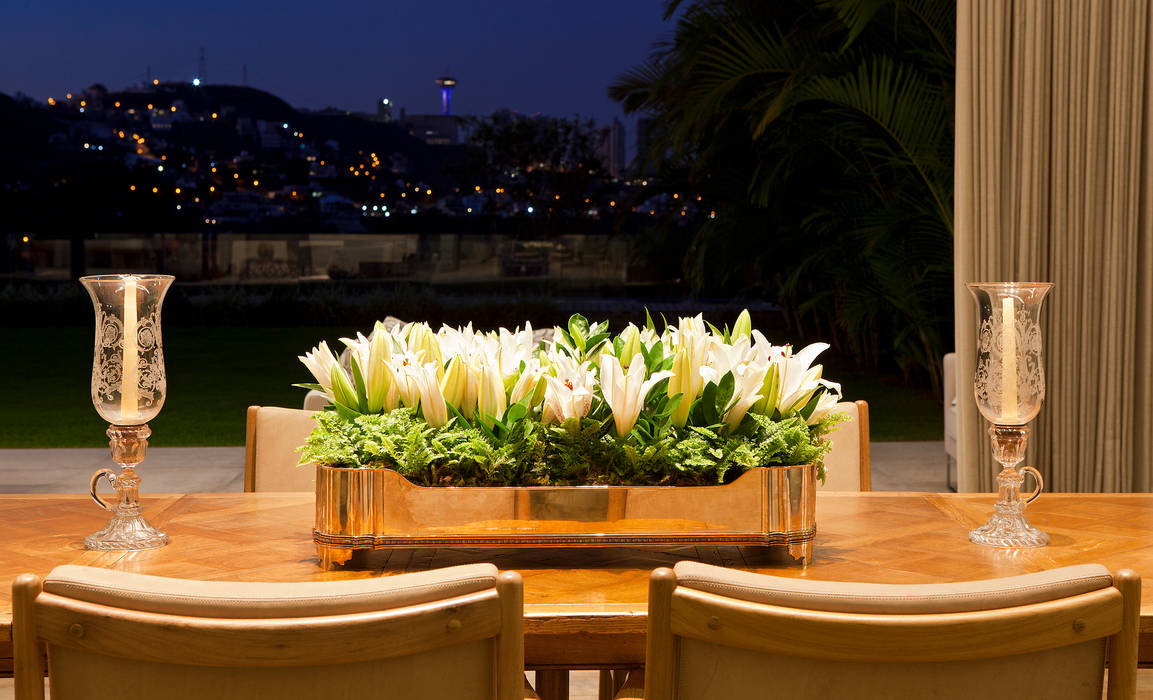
(531, 55)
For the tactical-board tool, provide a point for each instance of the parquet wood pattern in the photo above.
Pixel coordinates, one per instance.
(586, 608)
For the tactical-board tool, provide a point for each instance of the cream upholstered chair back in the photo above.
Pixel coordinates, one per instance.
(271, 459)
(719, 633)
(454, 633)
(847, 464)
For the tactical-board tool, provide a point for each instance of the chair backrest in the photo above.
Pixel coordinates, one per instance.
(449, 633)
(847, 464)
(715, 632)
(271, 460)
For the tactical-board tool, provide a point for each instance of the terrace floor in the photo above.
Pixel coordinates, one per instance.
(896, 466)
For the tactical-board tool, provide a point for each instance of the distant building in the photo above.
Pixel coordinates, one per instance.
(446, 83)
(433, 129)
(611, 149)
(384, 110)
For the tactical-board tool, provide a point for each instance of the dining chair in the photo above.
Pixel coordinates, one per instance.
(716, 632)
(847, 464)
(271, 458)
(449, 633)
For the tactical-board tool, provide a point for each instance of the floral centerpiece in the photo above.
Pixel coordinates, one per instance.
(691, 405)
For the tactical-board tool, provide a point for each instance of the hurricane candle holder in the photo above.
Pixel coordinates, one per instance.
(1009, 387)
(128, 390)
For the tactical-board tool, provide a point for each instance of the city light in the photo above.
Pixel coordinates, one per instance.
(214, 115)
(212, 188)
(155, 190)
(83, 103)
(196, 82)
(132, 188)
(235, 176)
(173, 108)
(25, 239)
(177, 190)
(160, 168)
(155, 81)
(51, 101)
(150, 106)
(118, 104)
(529, 210)
(255, 183)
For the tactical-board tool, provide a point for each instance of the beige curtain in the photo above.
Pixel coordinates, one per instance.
(1053, 183)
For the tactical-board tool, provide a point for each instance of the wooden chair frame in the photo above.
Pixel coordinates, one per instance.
(250, 449)
(863, 438)
(685, 612)
(41, 618)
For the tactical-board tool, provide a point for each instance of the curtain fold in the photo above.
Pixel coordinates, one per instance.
(1053, 183)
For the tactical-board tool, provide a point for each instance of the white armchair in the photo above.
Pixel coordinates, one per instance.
(950, 387)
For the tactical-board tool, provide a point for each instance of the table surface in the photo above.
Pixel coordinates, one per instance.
(586, 608)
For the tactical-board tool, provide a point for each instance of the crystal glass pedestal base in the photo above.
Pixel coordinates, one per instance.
(127, 530)
(1008, 526)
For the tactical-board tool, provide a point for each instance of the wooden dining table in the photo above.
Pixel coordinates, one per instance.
(586, 608)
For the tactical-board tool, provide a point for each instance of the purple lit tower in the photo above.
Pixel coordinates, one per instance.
(446, 84)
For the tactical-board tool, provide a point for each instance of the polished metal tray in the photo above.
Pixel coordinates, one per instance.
(379, 509)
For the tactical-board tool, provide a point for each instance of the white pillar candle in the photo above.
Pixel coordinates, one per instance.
(130, 377)
(1008, 360)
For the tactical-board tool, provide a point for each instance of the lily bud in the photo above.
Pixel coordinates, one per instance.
(459, 386)
(743, 328)
(423, 343)
(491, 399)
(632, 343)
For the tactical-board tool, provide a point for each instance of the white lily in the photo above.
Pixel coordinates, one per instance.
(456, 341)
(403, 369)
(514, 348)
(824, 404)
(798, 379)
(691, 352)
(625, 393)
(320, 362)
(568, 394)
(748, 379)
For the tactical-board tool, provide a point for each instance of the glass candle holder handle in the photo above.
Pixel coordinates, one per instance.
(127, 529)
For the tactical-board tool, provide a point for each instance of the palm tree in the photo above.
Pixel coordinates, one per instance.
(826, 132)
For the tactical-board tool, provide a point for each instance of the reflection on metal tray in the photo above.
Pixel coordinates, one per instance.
(379, 509)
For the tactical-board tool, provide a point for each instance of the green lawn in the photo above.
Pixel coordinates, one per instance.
(215, 373)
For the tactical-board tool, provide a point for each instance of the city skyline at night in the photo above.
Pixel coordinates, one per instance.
(531, 57)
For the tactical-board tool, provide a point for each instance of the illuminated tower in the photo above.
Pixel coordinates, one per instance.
(446, 85)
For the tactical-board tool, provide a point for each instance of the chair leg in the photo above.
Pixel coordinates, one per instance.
(552, 684)
(607, 689)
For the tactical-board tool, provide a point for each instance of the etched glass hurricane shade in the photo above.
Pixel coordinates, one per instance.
(128, 382)
(1010, 381)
